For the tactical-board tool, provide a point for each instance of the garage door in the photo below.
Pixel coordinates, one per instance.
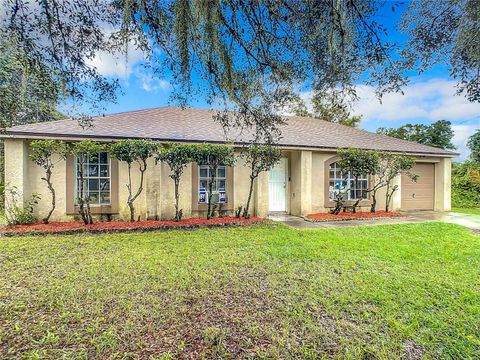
(419, 195)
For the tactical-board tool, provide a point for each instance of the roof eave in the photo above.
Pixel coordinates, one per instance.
(70, 137)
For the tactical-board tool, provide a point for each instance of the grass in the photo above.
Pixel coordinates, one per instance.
(473, 211)
(266, 291)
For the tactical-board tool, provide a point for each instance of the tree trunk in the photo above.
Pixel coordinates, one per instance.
(387, 197)
(210, 190)
(374, 202)
(81, 196)
(247, 206)
(47, 179)
(354, 206)
(132, 211)
(178, 216)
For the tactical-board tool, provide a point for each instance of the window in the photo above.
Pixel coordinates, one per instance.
(96, 174)
(355, 189)
(219, 183)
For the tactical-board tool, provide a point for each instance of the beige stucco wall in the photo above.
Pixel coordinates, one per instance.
(305, 189)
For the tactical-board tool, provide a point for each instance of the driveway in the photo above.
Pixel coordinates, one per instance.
(467, 220)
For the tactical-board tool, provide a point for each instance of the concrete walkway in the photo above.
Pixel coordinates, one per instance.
(467, 220)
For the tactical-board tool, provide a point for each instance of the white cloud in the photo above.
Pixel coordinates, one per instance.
(428, 100)
(462, 133)
(422, 102)
(151, 83)
(117, 64)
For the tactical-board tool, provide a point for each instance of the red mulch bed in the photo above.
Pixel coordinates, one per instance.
(75, 227)
(352, 216)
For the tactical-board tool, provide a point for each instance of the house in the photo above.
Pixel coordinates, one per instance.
(301, 184)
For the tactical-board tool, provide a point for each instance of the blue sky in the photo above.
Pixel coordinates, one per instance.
(429, 97)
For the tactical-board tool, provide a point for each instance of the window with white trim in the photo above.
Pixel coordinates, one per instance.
(355, 188)
(219, 183)
(97, 179)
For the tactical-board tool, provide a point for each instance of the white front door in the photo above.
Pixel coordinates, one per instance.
(277, 186)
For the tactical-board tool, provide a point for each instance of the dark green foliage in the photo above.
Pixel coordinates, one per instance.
(445, 32)
(42, 154)
(133, 151)
(328, 108)
(245, 52)
(28, 91)
(82, 150)
(358, 162)
(384, 168)
(213, 156)
(177, 157)
(18, 212)
(466, 185)
(258, 158)
(439, 134)
(474, 145)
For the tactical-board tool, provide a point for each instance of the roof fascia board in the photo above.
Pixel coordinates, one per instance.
(27, 135)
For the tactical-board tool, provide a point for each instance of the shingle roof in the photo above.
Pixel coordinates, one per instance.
(197, 125)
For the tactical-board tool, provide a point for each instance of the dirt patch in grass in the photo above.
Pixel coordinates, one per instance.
(352, 216)
(74, 227)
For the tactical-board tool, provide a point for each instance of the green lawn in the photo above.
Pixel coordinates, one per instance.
(474, 211)
(397, 291)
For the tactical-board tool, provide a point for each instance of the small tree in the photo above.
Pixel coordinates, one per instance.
(473, 145)
(177, 157)
(131, 151)
(359, 163)
(258, 158)
(42, 152)
(82, 150)
(391, 166)
(213, 156)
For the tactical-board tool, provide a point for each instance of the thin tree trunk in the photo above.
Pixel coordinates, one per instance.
(131, 198)
(213, 171)
(374, 201)
(247, 206)
(81, 196)
(176, 182)
(47, 179)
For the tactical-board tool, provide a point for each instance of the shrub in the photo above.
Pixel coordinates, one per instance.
(16, 213)
(466, 185)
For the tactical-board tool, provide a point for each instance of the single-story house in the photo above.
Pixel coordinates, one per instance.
(301, 184)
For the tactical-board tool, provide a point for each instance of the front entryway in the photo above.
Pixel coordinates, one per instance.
(277, 187)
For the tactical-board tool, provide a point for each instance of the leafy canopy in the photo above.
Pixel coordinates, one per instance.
(85, 148)
(359, 162)
(473, 145)
(260, 157)
(177, 157)
(439, 134)
(43, 150)
(28, 90)
(214, 155)
(249, 54)
(131, 151)
(328, 108)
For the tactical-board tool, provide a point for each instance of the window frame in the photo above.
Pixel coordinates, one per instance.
(349, 180)
(87, 178)
(222, 200)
